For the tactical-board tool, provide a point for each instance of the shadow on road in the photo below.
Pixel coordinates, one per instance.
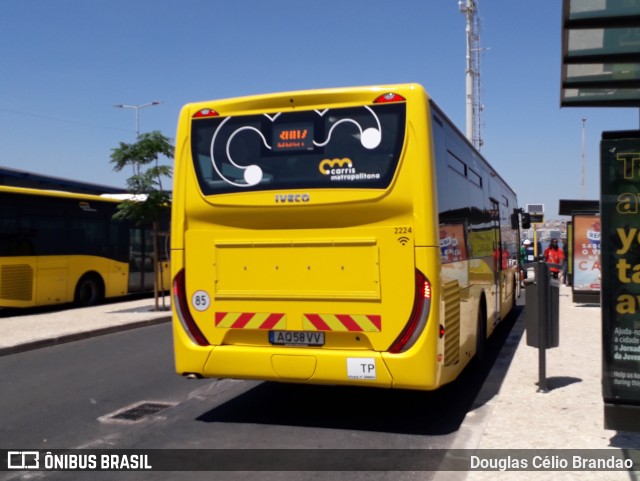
(395, 411)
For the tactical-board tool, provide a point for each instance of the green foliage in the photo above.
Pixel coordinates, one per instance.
(146, 150)
(150, 199)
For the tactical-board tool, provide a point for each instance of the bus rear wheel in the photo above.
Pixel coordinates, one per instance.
(89, 291)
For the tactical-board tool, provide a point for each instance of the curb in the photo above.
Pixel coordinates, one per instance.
(476, 420)
(54, 341)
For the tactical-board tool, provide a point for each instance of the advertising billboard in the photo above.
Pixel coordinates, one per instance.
(587, 275)
(620, 238)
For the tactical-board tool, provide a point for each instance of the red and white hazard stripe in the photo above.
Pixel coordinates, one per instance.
(251, 320)
(342, 322)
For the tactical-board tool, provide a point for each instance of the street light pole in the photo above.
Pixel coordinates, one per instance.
(584, 120)
(137, 110)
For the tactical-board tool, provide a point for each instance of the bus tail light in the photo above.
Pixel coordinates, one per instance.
(204, 113)
(388, 98)
(182, 309)
(419, 315)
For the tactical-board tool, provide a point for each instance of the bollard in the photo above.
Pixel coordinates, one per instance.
(542, 297)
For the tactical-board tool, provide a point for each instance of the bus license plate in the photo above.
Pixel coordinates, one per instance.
(296, 338)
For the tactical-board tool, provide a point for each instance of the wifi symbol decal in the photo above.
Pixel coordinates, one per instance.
(403, 240)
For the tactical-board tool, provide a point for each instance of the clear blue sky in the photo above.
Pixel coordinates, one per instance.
(65, 63)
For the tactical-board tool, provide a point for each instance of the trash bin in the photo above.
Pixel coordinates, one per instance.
(542, 309)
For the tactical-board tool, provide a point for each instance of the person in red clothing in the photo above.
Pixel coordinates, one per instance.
(554, 255)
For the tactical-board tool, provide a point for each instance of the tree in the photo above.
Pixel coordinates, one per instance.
(149, 200)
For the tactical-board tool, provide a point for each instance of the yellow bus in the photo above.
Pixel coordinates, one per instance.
(60, 247)
(345, 236)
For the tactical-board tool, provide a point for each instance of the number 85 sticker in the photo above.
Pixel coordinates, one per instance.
(200, 300)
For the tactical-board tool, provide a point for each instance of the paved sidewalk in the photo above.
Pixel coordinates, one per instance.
(569, 416)
(41, 329)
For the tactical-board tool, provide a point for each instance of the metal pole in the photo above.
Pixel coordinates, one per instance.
(542, 279)
(137, 122)
(584, 120)
(137, 110)
(469, 76)
(468, 9)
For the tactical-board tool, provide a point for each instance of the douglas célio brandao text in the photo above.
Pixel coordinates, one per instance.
(537, 462)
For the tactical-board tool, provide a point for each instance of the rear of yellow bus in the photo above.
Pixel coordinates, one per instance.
(304, 239)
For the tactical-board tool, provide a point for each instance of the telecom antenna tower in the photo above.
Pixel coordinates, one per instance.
(469, 8)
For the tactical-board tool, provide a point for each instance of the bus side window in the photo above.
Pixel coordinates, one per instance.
(19, 247)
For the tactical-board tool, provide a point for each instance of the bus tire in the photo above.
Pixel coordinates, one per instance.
(89, 291)
(481, 332)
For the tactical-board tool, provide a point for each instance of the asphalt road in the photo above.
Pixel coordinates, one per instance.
(53, 396)
(61, 397)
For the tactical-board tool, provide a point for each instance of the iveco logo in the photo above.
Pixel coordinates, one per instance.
(292, 198)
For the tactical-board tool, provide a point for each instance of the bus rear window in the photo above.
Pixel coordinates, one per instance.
(355, 147)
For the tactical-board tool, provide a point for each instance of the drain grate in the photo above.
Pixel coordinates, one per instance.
(136, 412)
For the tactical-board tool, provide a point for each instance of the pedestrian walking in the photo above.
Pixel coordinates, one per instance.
(554, 255)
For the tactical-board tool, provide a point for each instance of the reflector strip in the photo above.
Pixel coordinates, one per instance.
(251, 320)
(342, 322)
